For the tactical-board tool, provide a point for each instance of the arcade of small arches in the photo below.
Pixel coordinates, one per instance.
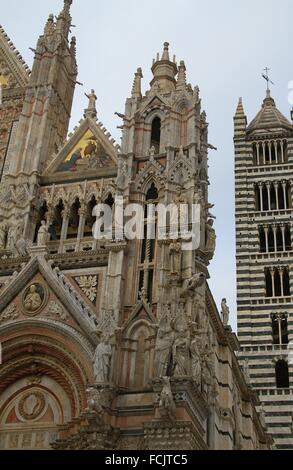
(69, 222)
(277, 282)
(272, 196)
(275, 238)
(270, 152)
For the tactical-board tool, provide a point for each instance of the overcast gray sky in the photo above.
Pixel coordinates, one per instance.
(225, 44)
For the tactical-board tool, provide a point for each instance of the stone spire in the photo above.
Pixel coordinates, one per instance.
(44, 123)
(165, 55)
(240, 120)
(164, 71)
(181, 80)
(91, 110)
(64, 19)
(136, 89)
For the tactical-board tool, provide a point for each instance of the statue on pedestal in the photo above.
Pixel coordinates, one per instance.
(225, 312)
(43, 234)
(164, 343)
(102, 361)
(167, 407)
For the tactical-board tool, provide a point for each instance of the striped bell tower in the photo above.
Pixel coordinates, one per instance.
(263, 191)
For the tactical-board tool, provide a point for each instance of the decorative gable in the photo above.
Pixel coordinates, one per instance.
(90, 149)
(13, 70)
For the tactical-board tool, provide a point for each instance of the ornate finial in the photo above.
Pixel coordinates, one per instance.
(136, 89)
(181, 81)
(165, 55)
(49, 27)
(91, 110)
(268, 80)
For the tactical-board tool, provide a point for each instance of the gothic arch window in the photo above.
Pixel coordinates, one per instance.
(184, 127)
(269, 283)
(74, 217)
(288, 243)
(156, 134)
(148, 245)
(56, 225)
(279, 239)
(90, 218)
(286, 282)
(265, 197)
(271, 240)
(138, 356)
(282, 374)
(257, 197)
(262, 240)
(277, 281)
(280, 329)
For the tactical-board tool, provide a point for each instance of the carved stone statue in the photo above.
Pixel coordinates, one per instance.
(225, 312)
(190, 285)
(167, 407)
(43, 234)
(102, 361)
(3, 234)
(32, 300)
(181, 356)
(195, 360)
(175, 256)
(210, 238)
(93, 400)
(92, 100)
(262, 415)
(246, 372)
(164, 343)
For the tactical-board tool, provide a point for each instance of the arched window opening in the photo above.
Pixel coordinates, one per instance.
(110, 201)
(280, 329)
(286, 282)
(265, 196)
(183, 136)
(42, 215)
(277, 279)
(266, 153)
(152, 194)
(288, 196)
(282, 374)
(273, 198)
(262, 240)
(56, 226)
(271, 240)
(269, 284)
(257, 198)
(285, 151)
(90, 218)
(148, 244)
(156, 134)
(281, 196)
(254, 151)
(279, 236)
(74, 217)
(288, 243)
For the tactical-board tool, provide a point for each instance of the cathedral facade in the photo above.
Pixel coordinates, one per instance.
(110, 343)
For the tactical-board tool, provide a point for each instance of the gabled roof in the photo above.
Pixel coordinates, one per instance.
(13, 60)
(64, 291)
(87, 128)
(269, 119)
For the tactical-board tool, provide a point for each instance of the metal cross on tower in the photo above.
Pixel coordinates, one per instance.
(267, 78)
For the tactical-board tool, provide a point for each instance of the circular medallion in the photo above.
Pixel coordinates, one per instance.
(31, 405)
(34, 299)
